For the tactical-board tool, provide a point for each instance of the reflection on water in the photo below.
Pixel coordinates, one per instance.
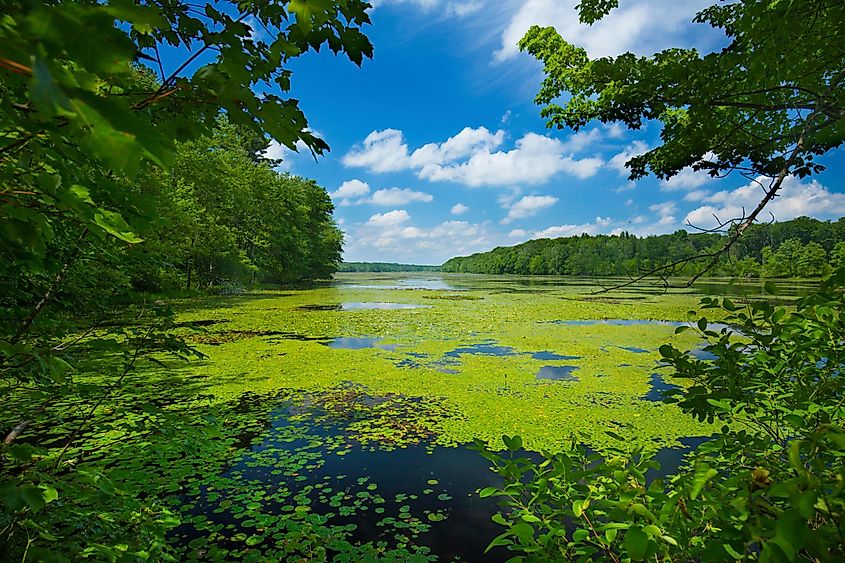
(634, 349)
(753, 289)
(396, 486)
(701, 354)
(358, 343)
(359, 305)
(557, 373)
(550, 356)
(658, 386)
(434, 284)
(756, 288)
(486, 348)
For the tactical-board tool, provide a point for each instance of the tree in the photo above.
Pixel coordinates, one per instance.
(765, 106)
(812, 261)
(89, 122)
(74, 96)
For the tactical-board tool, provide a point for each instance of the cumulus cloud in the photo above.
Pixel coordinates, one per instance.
(389, 219)
(398, 196)
(665, 212)
(350, 191)
(459, 209)
(396, 238)
(615, 130)
(278, 151)
(472, 157)
(689, 179)
(529, 206)
(583, 139)
(557, 231)
(466, 143)
(517, 233)
(534, 160)
(617, 162)
(631, 27)
(357, 192)
(796, 198)
(447, 7)
(381, 151)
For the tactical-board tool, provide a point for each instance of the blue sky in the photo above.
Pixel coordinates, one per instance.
(438, 149)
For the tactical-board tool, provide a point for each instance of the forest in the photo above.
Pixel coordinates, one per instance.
(800, 248)
(223, 220)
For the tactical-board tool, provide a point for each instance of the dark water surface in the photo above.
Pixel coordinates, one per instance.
(401, 477)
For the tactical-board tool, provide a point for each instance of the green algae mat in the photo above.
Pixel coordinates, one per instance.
(481, 357)
(332, 423)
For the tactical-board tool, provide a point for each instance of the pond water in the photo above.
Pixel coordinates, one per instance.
(387, 378)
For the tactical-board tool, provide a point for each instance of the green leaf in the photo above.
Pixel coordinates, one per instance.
(732, 552)
(703, 474)
(488, 492)
(636, 543)
(46, 95)
(115, 225)
(498, 541)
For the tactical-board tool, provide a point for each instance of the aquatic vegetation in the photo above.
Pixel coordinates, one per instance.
(478, 356)
(298, 400)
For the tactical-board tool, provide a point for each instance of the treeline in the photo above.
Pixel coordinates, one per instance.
(384, 267)
(220, 218)
(227, 216)
(803, 247)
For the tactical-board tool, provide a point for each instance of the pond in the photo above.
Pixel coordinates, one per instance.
(350, 407)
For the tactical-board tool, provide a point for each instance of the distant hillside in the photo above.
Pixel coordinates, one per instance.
(384, 267)
(803, 247)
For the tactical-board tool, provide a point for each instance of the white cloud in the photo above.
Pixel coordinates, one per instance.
(615, 130)
(464, 144)
(689, 179)
(350, 192)
(256, 29)
(357, 192)
(617, 162)
(390, 218)
(633, 26)
(376, 240)
(529, 206)
(471, 158)
(665, 212)
(599, 225)
(381, 151)
(398, 196)
(794, 200)
(582, 139)
(517, 233)
(696, 195)
(534, 160)
(446, 7)
(278, 151)
(459, 209)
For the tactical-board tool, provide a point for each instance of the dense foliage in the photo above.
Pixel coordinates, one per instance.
(769, 487)
(224, 216)
(384, 267)
(803, 247)
(102, 146)
(765, 106)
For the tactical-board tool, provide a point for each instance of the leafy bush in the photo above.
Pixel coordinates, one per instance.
(769, 487)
